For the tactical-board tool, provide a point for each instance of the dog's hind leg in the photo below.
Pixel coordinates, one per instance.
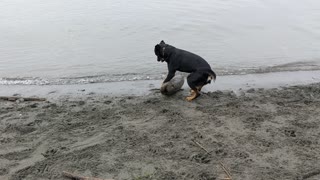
(194, 94)
(192, 81)
(199, 88)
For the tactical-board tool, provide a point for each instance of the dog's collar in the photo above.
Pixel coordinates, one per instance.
(164, 48)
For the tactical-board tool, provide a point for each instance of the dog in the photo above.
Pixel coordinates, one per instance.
(184, 61)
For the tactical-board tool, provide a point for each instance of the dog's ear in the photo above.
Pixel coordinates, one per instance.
(157, 49)
(162, 42)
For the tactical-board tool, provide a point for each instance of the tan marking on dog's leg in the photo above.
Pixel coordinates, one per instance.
(194, 94)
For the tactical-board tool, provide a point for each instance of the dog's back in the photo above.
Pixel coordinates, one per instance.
(186, 61)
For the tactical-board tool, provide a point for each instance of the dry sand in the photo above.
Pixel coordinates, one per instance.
(260, 134)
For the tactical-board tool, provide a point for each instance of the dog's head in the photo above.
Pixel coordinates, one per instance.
(159, 50)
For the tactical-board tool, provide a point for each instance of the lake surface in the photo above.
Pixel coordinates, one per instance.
(87, 41)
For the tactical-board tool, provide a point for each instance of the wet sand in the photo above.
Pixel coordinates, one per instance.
(144, 87)
(257, 133)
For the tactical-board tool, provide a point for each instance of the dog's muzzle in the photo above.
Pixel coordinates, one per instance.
(161, 59)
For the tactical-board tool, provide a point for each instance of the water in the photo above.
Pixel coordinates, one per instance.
(82, 41)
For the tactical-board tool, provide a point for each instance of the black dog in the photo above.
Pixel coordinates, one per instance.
(184, 61)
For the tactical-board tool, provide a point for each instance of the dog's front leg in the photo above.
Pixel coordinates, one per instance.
(169, 76)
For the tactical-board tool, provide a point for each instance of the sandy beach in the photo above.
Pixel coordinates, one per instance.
(258, 133)
(80, 90)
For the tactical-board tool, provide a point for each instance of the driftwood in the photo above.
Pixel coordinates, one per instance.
(76, 177)
(227, 171)
(14, 98)
(198, 144)
(173, 86)
(310, 174)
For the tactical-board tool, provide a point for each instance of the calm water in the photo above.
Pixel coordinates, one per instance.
(79, 41)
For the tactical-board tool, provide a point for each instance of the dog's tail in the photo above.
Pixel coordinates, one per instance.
(212, 74)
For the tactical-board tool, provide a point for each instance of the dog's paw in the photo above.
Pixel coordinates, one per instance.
(164, 87)
(189, 98)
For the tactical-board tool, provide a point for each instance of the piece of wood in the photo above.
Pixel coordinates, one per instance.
(173, 86)
(14, 98)
(201, 146)
(76, 177)
(311, 174)
(227, 171)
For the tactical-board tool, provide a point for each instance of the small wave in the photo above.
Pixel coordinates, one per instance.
(296, 66)
(76, 80)
(23, 81)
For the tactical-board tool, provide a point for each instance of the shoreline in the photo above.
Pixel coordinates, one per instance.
(234, 83)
